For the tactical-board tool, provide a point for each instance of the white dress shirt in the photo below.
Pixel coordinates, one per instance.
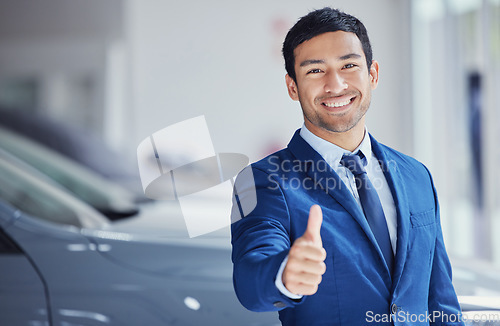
(332, 154)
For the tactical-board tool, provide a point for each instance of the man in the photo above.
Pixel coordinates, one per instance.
(345, 230)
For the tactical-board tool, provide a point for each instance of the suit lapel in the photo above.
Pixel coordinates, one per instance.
(324, 176)
(397, 185)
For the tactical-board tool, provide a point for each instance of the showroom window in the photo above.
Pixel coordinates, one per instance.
(456, 78)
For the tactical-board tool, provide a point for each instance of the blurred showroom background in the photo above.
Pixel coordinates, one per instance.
(124, 69)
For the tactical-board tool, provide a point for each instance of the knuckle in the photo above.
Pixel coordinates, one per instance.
(323, 268)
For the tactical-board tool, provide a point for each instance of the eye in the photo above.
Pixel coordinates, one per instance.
(349, 65)
(314, 71)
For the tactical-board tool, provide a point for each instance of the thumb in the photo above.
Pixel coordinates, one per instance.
(314, 225)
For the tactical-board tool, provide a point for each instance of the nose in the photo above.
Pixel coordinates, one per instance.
(335, 83)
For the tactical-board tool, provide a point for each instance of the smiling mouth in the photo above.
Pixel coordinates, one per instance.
(338, 104)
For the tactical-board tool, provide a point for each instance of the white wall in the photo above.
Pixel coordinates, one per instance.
(63, 48)
(222, 59)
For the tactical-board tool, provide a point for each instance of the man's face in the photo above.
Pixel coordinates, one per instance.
(333, 82)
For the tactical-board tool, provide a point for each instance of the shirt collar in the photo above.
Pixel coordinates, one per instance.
(333, 153)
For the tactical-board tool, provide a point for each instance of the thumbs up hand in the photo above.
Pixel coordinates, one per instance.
(305, 266)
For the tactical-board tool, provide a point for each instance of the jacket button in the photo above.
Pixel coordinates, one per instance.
(394, 308)
(279, 304)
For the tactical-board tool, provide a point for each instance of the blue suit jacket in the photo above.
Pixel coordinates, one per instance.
(357, 288)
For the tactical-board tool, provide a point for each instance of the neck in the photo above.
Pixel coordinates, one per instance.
(348, 140)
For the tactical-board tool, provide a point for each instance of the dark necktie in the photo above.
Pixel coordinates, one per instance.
(371, 205)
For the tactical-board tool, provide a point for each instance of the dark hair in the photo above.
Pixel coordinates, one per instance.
(318, 22)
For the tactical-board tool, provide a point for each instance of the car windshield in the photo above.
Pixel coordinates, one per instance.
(36, 196)
(106, 197)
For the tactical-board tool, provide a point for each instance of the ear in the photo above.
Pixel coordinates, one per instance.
(292, 88)
(374, 74)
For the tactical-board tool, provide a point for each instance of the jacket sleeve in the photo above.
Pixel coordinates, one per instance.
(260, 241)
(443, 302)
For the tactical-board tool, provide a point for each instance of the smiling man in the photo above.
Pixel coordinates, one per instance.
(335, 86)
(346, 231)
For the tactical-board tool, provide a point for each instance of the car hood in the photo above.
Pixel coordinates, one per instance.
(157, 242)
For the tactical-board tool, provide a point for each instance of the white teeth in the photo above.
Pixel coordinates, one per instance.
(336, 105)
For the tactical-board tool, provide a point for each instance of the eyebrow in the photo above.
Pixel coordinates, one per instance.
(311, 62)
(319, 61)
(350, 56)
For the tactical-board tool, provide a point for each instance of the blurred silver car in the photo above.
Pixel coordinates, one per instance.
(478, 287)
(63, 264)
(107, 197)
